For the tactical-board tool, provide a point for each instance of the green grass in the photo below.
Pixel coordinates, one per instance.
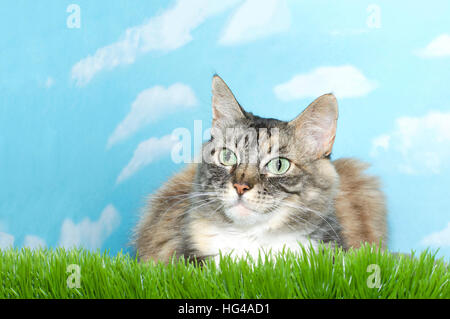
(43, 274)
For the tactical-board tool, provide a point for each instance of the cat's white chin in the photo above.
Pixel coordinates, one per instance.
(241, 214)
(241, 210)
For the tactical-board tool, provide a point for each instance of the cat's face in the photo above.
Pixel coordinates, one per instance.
(254, 168)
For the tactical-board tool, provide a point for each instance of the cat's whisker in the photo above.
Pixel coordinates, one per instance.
(193, 206)
(187, 199)
(303, 208)
(181, 195)
(296, 218)
(206, 202)
(192, 184)
(219, 207)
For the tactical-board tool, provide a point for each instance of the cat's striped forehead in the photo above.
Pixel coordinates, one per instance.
(254, 141)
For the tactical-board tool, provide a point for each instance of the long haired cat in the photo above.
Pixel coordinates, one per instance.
(263, 185)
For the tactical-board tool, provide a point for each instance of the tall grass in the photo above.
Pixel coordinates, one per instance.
(327, 273)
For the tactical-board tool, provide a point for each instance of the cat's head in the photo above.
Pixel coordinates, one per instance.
(254, 168)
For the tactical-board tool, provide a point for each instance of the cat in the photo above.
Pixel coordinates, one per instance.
(263, 185)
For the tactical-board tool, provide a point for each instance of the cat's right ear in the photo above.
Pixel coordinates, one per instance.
(225, 107)
(315, 127)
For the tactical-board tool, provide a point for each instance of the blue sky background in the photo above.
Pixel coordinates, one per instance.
(85, 112)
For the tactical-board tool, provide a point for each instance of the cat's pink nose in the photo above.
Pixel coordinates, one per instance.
(241, 188)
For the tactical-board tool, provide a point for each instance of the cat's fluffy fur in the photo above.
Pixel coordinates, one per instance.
(318, 200)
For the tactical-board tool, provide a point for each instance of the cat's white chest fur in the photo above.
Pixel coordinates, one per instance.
(241, 241)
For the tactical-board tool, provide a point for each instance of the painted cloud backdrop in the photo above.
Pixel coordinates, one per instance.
(90, 93)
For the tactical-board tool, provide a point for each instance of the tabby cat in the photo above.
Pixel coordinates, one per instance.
(263, 184)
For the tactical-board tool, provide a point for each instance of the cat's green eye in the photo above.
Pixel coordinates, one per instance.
(227, 157)
(278, 166)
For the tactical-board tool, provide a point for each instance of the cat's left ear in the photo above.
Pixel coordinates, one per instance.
(316, 125)
(225, 107)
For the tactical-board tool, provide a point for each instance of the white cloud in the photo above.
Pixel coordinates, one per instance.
(439, 238)
(438, 47)
(6, 240)
(349, 32)
(256, 19)
(150, 105)
(34, 242)
(147, 152)
(89, 234)
(420, 145)
(165, 32)
(380, 142)
(344, 81)
(49, 82)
